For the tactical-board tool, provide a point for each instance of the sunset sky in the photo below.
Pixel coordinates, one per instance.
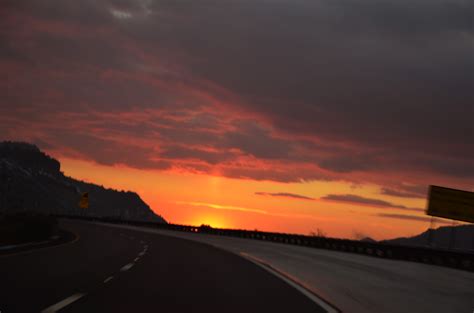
(279, 115)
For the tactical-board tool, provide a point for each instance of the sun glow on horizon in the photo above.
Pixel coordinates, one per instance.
(213, 221)
(221, 202)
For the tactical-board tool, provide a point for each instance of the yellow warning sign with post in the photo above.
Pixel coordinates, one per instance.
(84, 202)
(451, 203)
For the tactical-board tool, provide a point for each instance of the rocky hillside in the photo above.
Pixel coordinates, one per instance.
(30, 180)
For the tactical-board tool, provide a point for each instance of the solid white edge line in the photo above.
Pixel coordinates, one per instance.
(126, 267)
(322, 303)
(61, 304)
(108, 279)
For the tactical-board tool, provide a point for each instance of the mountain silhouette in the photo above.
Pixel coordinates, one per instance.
(463, 238)
(32, 181)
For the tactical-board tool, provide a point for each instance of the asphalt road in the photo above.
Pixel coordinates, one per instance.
(119, 270)
(355, 283)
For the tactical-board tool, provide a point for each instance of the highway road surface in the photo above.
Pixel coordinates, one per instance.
(111, 269)
(356, 283)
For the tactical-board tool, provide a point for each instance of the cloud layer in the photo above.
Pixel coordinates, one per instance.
(284, 195)
(358, 200)
(285, 91)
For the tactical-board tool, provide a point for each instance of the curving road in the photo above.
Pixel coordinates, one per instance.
(354, 283)
(111, 269)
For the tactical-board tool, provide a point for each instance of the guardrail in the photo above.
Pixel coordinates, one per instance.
(448, 258)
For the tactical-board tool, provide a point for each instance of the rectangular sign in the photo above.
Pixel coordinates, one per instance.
(84, 202)
(451, 203)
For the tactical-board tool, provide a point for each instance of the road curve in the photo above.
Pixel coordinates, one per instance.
(354, 283)
(119, 270)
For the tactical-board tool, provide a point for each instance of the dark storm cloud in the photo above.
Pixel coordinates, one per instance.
(284, 195)
(389, 81)
(349, 163)
(103, 151)
(354, 199)
(382, 73)
(210, 157)
(256, 141)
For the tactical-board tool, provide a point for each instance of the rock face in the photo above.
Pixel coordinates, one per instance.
(28, 156)
(30, 180)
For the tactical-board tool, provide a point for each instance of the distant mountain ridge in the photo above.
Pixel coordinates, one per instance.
(440, 238)
(30, 180)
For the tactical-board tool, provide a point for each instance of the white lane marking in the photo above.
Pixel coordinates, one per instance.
(126, 267)
(108, 279)
(61, 304)
(292, 282)
(136, 259)
(24, 245)
(142, 253)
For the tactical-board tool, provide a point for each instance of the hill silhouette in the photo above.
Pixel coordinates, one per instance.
(440, 238)
(32, 181)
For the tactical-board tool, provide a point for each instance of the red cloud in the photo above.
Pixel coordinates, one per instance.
(89, 86)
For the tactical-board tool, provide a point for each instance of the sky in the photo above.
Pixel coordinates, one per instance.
(277, 115)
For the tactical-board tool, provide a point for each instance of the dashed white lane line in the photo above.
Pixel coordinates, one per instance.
(61, 304)
(126, 267)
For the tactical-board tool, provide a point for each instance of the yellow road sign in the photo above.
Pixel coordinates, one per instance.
(84, 202)
(451, 203)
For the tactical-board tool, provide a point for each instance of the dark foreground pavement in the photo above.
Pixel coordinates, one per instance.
(117, 270)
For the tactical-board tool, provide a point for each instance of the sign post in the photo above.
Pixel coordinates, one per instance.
(431, 230)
